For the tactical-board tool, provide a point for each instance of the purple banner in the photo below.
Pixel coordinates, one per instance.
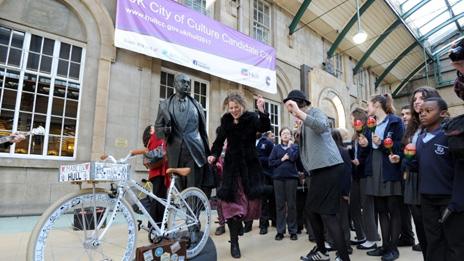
(177, 24)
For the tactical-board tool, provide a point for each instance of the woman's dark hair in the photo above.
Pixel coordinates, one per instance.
(414, 122)
(146, 135)
(337, 136)
(442, 105)
(359, 114)
(386, 101)
(285, 128)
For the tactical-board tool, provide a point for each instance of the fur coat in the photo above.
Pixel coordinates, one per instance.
(241, 158)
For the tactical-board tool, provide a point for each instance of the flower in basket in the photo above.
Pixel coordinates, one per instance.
(388, 144)
(358, 126)
(371, 123)
(410, 151)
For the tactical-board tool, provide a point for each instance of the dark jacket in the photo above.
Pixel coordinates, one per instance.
(345, 177)
(394, 130)
(241, 159)
(284, 169)
(358, 172)
(264, 149)
(436, 167)
(166, 129)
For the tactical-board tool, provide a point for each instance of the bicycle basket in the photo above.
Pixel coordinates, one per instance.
(94, 171)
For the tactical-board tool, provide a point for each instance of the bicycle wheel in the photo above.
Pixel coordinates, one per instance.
(186, 224)
(66, 230)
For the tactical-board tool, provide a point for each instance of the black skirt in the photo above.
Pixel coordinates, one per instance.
(325, 190)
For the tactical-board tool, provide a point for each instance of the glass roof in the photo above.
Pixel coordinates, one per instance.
(432, 22)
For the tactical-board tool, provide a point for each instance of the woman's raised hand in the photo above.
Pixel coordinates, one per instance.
(211, 159)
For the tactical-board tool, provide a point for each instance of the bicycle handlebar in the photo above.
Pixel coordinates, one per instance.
(131, 154)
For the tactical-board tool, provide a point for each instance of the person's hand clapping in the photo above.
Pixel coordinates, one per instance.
(260, 104)
(285, 157)
(211, 159)
(394, 158)
(376, 140)
(362, 141)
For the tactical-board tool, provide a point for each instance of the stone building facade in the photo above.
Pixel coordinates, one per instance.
(94, 98)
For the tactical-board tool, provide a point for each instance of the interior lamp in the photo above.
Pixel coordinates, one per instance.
(361, 36)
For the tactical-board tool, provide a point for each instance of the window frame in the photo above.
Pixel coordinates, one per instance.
(191, 5)
(53, 76)
(261, 25)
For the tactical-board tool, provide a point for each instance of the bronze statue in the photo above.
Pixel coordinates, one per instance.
(181, 122)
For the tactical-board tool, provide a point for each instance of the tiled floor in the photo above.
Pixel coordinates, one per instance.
(14, 234)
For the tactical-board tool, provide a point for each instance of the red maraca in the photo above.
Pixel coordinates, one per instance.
(388, 144)
(410, 151)
(358, 126)
(371, 123)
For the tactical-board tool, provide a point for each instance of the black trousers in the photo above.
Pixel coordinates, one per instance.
(195, 178)
(267, 203)
(416, 212)
(406, 226)
(445, 241)
(389, 219)
(285, 198)
(160, 190)
(344, 220)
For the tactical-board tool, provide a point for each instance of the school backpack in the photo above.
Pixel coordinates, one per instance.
(454, 129)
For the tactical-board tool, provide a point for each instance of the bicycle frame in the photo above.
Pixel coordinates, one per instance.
(126, 186)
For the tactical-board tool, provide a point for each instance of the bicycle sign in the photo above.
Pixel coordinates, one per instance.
(94, 171)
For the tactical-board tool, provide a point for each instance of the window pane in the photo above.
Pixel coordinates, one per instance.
(12, 78)
(37, 144)
(59, 89)
(18, 39)
(73, 91)
(46, 64)
(29, 82)
(41, 104)
(48, 46)
(203, 89)
(33, 61)
(55, 125)
(76, 54)
(22, 147)
(74, 71)
(4, 35)
(9, 99)
(64, 51)
(69, 127)
(53, 145)
(6, 120)
(36, 44)
(57, 107)
(27, 102)
(44, 85)
(68, 147)
(171, 80)
(3, 51)
(71, 109)
(196, 88)
(14, 58)
(63, 68)
(24, 121)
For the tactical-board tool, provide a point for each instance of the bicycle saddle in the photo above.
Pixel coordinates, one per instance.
(179, 171)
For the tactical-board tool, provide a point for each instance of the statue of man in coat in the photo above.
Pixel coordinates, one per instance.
(181, 122)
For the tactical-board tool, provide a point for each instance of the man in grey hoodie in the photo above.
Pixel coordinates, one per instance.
(321, 158)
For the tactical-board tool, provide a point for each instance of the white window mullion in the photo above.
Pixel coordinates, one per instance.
(81, 81)
(26, 43)
(55, 57)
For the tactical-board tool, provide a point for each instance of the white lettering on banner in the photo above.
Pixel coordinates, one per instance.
(159, 9)
(138, 2)
(202, 28)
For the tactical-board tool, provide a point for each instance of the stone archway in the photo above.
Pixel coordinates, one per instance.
(329, 101)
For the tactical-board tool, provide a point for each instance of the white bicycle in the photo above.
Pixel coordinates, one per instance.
(99, 224)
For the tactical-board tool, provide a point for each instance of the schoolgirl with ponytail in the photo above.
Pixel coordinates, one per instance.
(383, 178)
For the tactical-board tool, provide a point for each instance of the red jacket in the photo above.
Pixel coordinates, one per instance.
(153, 143)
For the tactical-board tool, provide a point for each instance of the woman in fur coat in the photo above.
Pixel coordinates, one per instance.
(241, 186)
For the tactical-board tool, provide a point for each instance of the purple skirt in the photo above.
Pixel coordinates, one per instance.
(243, 208)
